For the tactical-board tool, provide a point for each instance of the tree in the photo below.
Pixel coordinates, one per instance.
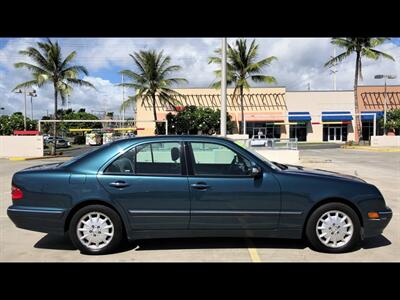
(70, 114)
(49, 67)
(152, 79)
(195, 120)
(242, 65)
(15, 122)
(361, 47)
(392, 120)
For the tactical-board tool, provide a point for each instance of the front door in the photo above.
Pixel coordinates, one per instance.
(224, 195)
(149, 182)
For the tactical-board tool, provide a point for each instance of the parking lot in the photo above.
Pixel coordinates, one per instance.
(379, 168)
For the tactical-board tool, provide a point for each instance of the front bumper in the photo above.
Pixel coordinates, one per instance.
(48, 220)
(374, 227)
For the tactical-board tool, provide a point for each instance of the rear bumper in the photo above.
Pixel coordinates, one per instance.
(376, 226)
(48, 220)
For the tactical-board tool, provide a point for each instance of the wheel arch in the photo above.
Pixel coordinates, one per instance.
(331, 200)
(91, 202)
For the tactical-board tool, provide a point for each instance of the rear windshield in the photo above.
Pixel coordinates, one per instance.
(87, 152)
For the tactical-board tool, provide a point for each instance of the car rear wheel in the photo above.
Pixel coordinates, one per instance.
(96, 229)
(333, 228)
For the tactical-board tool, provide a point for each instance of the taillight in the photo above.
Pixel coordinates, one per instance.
(16, 193)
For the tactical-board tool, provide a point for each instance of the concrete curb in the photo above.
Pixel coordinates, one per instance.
(367, 148)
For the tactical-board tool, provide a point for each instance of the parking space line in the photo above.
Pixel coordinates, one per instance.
(252, 251)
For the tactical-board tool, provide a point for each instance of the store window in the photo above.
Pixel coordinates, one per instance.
(269, 130)
(368, 130)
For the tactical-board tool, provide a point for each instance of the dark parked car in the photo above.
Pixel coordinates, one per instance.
(186, 186)
(60, 142)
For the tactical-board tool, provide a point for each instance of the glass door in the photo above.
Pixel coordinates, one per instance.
(335, 134)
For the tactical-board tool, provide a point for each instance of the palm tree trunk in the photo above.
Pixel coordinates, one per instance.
(242, 108)
(53, 149)
(154, 112)
(358, 131)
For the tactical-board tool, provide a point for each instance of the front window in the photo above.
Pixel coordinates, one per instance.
(218, 160)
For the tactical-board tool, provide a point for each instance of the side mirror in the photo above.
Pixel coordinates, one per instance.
(255, 171)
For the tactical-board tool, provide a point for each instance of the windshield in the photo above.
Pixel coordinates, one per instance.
(273, 165)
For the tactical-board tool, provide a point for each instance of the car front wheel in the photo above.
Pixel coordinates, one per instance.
(96, 229)
(333, 228)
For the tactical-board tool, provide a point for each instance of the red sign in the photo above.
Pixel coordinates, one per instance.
(26, 132)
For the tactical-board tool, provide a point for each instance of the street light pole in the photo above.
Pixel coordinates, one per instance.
(384, 109)
(23, 92)
(381, 76)
(223, 89)
(32, 94)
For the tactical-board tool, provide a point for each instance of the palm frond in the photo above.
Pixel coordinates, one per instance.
(80, 82)
(263, 78)
(131, 101)
(25, 84)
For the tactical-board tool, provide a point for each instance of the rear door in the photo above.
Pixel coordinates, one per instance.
(149, 181)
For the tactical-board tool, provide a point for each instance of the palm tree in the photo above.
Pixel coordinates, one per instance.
(242, 65)
(152, 79)
(362, 47)
(49, 67)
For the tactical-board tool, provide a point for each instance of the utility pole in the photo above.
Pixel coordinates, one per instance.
(334, 70)
(223, 89)
(123, 98)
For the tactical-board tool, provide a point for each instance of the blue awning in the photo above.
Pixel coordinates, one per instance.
(299, 116)
(365, 117)
(336, 116)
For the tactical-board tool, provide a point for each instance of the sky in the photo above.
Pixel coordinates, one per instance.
(299, 65)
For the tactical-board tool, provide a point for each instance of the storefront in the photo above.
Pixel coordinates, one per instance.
(367, 121)
(336, 125)
(298, 123)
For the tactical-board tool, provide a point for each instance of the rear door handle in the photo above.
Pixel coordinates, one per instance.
(119, 184)
(200, 186)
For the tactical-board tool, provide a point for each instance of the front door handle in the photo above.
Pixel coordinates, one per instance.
(119, 184)
(200, 186)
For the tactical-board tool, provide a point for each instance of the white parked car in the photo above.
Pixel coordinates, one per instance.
(258, 140)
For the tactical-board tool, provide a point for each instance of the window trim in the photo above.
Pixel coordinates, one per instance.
(191, 162)
(183, 163)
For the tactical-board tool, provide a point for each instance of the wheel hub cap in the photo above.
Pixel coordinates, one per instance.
(95, 230)
(334, 229)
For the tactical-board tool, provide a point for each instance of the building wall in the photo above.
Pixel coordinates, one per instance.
(315, 102)
(371, 98)
(258, 103)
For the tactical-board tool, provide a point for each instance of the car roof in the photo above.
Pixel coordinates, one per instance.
(179, 137)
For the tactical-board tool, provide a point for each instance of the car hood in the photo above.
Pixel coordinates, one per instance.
(299, 170)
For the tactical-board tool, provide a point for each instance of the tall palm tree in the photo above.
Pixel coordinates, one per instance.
(361, 47)
(49, 67)
(152, 79)
(242, 65)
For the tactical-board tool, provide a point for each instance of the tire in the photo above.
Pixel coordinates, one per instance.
(111, 235)
(348, 234)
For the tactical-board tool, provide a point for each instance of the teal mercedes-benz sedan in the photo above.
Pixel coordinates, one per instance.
(192, 186)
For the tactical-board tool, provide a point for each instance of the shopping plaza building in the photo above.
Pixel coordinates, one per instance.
(309, 116)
